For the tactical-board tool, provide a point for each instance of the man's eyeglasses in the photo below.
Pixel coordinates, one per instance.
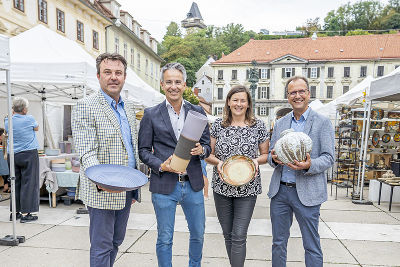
(301, 92)
(170, 83)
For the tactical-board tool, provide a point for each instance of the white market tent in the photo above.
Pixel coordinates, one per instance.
(46, 65)
(42, 60)
(349, 98)
(386, 88)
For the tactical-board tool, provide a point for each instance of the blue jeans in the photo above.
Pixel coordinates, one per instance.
(165, 207)
(283, 204)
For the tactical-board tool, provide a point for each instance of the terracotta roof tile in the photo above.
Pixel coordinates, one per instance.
(323, 48)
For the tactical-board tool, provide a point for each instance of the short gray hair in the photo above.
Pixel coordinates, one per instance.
(295, 78)
(173, 66)
(19, 104)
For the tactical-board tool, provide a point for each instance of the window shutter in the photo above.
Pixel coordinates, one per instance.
(259, 92)
(267, 92)
(247, 74)
(318, 72)
(308, 72)
(259, 111)
(268, 74)
(259, 73)
(215, 110)
(293, 72)
(283, 72)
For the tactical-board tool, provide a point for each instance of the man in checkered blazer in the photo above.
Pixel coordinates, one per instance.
(104, 130)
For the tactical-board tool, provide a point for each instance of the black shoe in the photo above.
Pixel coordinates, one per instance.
(28, 218)
(18, 216)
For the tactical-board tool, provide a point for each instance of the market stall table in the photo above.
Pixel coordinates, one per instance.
(392, 186)
(64, 179)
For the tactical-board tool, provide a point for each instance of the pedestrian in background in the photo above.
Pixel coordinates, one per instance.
(26, 161)
(4, 170)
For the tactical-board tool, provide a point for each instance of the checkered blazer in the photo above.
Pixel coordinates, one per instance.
(98, 140)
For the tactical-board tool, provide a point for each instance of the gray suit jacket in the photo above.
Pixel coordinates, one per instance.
(311, 184)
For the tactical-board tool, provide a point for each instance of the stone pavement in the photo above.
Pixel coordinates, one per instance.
(351, 235)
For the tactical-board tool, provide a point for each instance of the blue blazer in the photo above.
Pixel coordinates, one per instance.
(311, 184)
(157, 142)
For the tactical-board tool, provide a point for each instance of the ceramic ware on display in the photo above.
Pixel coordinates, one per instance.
(393, 115)
(358, 114)
(396, 137)
(391, 126)
(377, 114)
(375, 139)
(386, 138)
(238, 170)
(376, 125)
(346, 109)
(293, 146)
(52, 152)
(116, 177)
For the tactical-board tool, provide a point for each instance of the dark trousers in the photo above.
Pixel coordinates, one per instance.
(283, 205)
(234, 215)
(26, 181)
(107, 232)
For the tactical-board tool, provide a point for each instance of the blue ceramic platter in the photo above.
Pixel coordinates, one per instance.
(116, 177)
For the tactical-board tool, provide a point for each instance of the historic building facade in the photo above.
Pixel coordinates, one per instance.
(333, 66)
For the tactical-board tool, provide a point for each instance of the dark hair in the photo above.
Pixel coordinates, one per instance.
(2, 131)
(295, 78)
(249, 116)
(113, 56)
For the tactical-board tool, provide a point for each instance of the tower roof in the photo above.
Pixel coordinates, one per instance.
(194, 12)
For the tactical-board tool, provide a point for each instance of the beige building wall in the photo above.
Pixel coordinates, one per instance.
(144, 61)
(14, 21)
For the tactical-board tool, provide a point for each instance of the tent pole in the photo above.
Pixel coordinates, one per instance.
(361, 200)
(361, 148)
(11, 240)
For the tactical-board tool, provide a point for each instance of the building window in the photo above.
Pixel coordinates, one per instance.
(363, 71)
(151, 68)
(313, 91)
(220, 93)
(234, 74)
(125, 51)
(138, 61)
(329, 91)
(218, 110)
(220, 74)
(313, 73)
(288, 72)
(345, 89)
(381, 70)
(95, 40)
(132, 56)
(202, 82)
(60, 20)
(116, 45)
(262, 111)
(346, 72)
(146, 70)
(264, 73)
(42, 11)
(331, 72)
(19, 4)
(263, 92)
(79, 31)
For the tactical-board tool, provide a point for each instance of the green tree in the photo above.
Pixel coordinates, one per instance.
(357, 32)
(188, 95)
(173, 30)
(311, 26)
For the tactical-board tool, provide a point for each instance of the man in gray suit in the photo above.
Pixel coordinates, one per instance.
(300, 187)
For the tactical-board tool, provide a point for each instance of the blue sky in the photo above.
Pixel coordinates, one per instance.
(274, 15)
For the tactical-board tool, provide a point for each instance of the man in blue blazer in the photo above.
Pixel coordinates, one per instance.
(300, 188)
(158, 136)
